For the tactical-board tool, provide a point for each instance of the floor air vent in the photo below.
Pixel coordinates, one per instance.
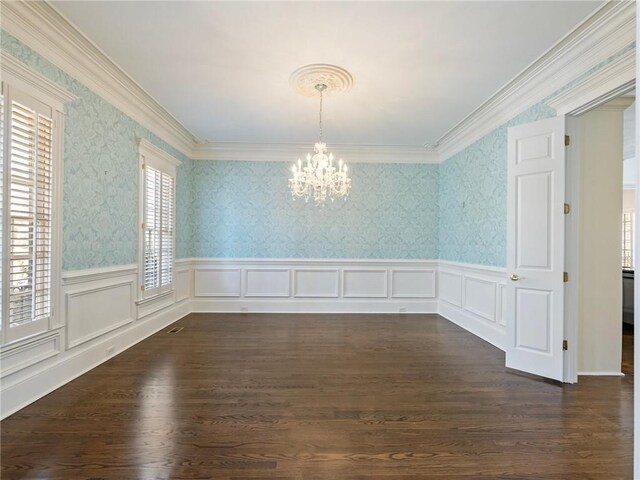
(176, 330)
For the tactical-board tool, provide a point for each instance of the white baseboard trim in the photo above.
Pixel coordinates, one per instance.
(493, 334)
(601, 374)
(46, 380)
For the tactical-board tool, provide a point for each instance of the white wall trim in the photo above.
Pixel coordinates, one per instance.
(290, 152)
(606, 32)
(71, 277)
(153, 154)
(44, 29)
(14, 71)
(40, 26)
(601, 374)
(609, 82)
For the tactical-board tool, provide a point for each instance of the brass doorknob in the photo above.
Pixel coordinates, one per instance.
(514, 277)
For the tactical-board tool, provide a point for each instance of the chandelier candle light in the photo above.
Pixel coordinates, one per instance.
(319, 177)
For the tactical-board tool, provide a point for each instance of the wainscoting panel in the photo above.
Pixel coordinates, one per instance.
(364, 283)
(97, 307)
(183, 283)
(316, 283)
(267, 282)
(217, 282)
(480, 297)
(25, 355)
(414, 283)
(451, 287)
(472, 296)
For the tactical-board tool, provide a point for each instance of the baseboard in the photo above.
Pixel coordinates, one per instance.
(493, 333)
(313, 306)
(71, 366)
(601, 374)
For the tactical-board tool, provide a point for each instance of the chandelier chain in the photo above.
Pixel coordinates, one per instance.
(320, 120)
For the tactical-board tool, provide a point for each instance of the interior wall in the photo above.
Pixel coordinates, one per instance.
(100, 177)
(600, 133)
(245, 210)
(473, 188)
(473, 197)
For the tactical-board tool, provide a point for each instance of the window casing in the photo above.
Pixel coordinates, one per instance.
(31, 116)
(157, 219)
(628, 227)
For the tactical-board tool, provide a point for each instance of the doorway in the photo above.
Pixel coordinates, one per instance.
(600, 239)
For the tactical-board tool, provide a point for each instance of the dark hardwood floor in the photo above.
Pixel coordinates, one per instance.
(245, 396)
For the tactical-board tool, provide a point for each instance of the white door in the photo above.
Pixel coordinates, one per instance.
(535, 247)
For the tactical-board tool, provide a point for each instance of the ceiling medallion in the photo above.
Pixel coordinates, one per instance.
(319, 178)
(304, 79)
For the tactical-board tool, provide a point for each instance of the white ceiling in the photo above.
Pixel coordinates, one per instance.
(222, 68)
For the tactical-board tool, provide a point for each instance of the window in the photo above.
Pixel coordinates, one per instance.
(157, 219)
(30, 122)
(628, 222)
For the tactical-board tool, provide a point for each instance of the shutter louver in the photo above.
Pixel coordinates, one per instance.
(29, 209)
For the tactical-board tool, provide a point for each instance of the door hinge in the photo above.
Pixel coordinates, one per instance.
(567, 140)
(565, 276)
(565, 345)
(567, 208)
(143, 165)
(142, 225)
(142, 288)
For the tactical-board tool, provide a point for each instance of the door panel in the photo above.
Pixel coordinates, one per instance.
(535, 247)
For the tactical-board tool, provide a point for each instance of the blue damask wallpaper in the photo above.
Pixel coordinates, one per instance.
(453, 211)
(473, 189)
(473, 197)
(100, 189)
(244, 209)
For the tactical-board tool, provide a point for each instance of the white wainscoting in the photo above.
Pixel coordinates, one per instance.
(288, 285)
(472, 296)
(100, 318)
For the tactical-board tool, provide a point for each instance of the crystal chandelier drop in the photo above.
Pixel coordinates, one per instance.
(318, 177)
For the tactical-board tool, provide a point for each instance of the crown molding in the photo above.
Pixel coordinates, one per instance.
(45, 30)
(289, 152)
(609, 82)
(606, 32)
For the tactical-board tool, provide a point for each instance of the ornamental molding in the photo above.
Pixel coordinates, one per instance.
(304, 79)
(605, 33)
(602, 35)
(289, 152)
(50, 34)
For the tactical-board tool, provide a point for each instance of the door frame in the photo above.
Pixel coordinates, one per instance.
(572, 240)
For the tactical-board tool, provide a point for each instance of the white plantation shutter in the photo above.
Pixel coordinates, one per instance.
(29, 208)
(158, 228)
(31, 127)
(166, 233)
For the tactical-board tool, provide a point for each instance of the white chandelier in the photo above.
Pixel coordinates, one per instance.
(318, 177)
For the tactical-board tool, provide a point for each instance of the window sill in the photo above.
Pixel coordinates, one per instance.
(158, 296)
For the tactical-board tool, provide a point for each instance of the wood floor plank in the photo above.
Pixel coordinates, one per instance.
(300, 396)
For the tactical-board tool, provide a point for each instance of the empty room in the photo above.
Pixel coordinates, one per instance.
(318, 240)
